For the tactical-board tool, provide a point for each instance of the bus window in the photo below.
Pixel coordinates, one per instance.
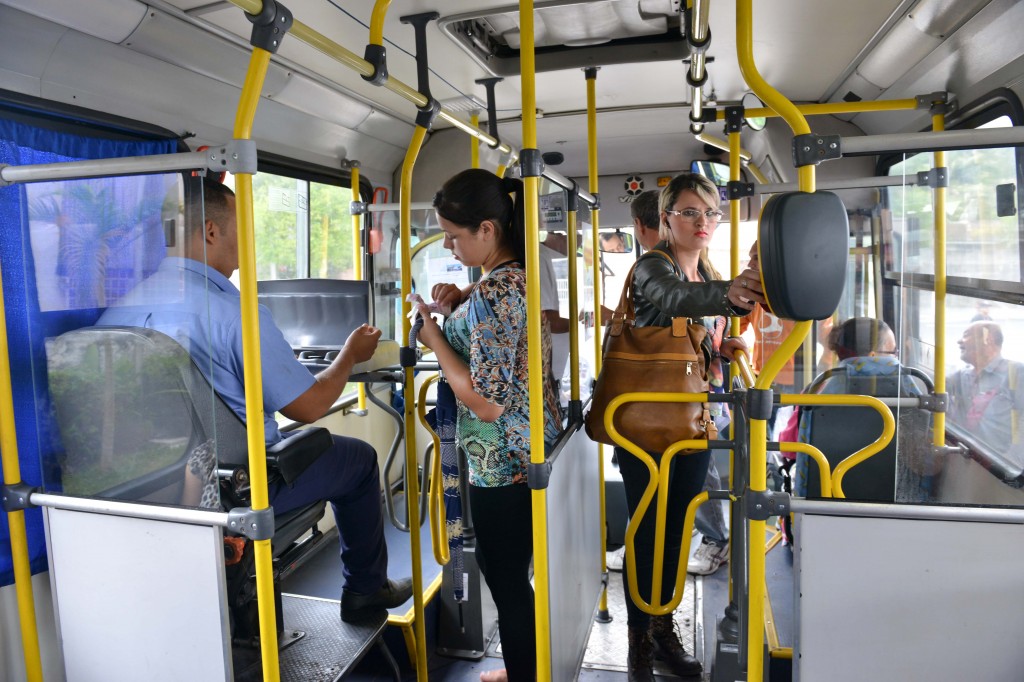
(303, 228)
(976, 235)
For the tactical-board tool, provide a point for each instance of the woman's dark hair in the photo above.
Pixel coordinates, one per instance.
(857, 337)
(476, 195)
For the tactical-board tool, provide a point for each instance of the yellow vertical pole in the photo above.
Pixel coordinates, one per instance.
(357, 257)
(734, 321)
(591, 75)
(474, 144)
(16, 519)
(533, 332)
(759, 427)
(939, 212)
(412, 485)
(377, 16)
(252, 367)
(574, 331)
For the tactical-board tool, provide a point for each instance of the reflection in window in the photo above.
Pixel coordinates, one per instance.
(93, 240)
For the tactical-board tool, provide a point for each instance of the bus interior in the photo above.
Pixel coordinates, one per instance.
(875, 523)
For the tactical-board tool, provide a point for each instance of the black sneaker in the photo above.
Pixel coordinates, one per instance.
(356, 606)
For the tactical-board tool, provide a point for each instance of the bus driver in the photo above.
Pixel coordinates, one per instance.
(191, 300)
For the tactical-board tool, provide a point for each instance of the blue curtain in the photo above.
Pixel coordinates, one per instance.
(34, 313)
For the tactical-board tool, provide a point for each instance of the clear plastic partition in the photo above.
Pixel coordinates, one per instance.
(984, 321)
(120, 308)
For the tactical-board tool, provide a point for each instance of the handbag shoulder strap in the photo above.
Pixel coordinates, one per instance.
(625, 310)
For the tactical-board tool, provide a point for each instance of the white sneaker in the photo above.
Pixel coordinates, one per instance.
(708, 558)
(616, 559)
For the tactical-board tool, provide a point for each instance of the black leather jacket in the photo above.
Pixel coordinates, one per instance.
(661, 292)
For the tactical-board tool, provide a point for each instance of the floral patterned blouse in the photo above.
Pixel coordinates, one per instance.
(488, 331)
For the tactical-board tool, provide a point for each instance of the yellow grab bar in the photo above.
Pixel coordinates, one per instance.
(659, 480)
(357, 248)
(320, 42)
(252, 365)
(824, 470)
(438, 526)
(888, 429)
(831, 108)
(531, 192)
(742, 361)
(412, 485)
(380, 11)
(16, 519)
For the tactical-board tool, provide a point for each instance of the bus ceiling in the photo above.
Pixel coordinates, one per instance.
(322, 113)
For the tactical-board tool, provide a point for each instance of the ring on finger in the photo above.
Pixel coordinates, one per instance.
(743, 283)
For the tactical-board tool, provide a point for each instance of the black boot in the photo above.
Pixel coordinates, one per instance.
(669, 649)
(641, 655)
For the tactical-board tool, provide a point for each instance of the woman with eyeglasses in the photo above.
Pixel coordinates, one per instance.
(683, 285)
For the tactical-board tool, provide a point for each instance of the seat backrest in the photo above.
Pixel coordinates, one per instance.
(132, 408)
(899, 472)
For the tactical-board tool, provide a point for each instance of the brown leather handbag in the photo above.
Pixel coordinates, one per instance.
(651, 359)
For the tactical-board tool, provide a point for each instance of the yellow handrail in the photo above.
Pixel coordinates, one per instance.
(592, 186)
(531, 193)
(16, 519)
(474, 144)
(357, 248)
(574, 331)
(939, 213)
(435, 506)
(380, 11)
(830, 108)
(742, 361)
(824, 469)
(888, 429)
(332, 49)
(252, 365)
(658, 480)
(411, 461)
(759, 427)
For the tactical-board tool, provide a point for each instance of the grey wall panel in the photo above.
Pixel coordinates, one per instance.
(138, 599)
(908, 601)
(574, 551)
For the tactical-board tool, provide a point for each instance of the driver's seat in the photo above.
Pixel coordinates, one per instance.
(140, 422)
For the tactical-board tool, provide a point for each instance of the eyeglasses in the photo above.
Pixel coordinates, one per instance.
(691, 214)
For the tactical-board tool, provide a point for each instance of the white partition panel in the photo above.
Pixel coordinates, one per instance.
(138, 599)
(908, 600)
(574, 550)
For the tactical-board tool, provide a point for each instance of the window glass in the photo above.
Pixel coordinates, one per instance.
(331, 240)
(976, 237)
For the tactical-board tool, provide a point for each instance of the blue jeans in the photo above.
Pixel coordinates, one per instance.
(347, 476)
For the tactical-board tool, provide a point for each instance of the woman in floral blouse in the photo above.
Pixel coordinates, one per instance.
(483, 355)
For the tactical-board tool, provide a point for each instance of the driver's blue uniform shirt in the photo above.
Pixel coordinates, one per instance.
(200, 308)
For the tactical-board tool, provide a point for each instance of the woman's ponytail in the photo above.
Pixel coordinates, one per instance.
(517, 219)
(476, 195)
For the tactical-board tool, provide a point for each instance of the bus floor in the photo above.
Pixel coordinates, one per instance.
(703, 607)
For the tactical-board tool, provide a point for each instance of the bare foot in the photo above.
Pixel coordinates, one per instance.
(494, 676)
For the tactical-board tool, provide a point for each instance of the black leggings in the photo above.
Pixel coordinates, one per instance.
(503, 519)
(685, 481)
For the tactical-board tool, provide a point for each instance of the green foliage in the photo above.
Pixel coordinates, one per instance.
(277, 231)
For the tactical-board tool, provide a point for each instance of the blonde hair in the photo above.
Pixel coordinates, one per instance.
(705, 190)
